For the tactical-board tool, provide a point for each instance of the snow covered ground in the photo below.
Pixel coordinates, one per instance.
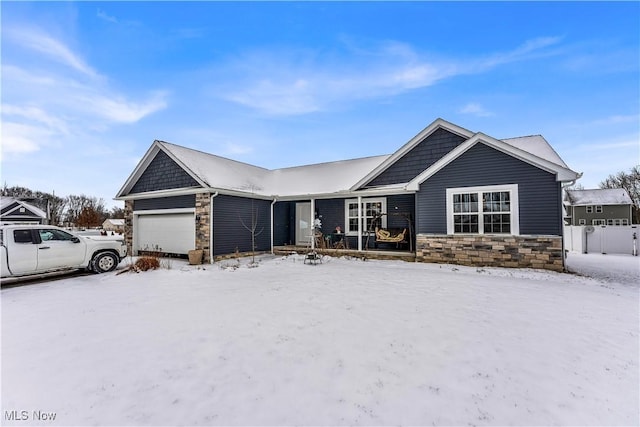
(346, 342)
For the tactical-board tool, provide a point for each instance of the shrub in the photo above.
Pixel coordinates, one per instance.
(147, 263)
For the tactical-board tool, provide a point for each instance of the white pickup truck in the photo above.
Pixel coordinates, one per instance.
(36, 249)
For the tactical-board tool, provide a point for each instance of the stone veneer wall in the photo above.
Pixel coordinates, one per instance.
(203, 225)
(128, 225)
(544, 252)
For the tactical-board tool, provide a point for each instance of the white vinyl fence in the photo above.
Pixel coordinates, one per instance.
(602, 239)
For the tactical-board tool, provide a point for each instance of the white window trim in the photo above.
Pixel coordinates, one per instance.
(589, 209)
(382, 200)
(514, 203)
(599, 221)
(582, 221)
(598, 208)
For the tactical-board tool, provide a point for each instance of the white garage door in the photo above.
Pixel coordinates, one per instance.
(171, 233)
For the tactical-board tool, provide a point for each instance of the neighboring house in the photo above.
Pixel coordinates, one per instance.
(610, 206)
(17, 211)
(469, 199)
(112, 224)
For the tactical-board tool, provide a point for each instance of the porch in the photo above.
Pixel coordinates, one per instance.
(366, 254)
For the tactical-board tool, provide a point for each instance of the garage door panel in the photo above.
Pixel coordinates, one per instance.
(172, 233)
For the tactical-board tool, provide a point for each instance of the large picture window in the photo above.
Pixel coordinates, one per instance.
(483, 210)
(371, 208)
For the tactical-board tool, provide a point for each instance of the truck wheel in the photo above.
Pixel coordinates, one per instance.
(104, 262)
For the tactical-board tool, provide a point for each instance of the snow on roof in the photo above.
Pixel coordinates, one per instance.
(601, 196)
(223, 173)
(114, 221)
(8, 201)
(538, 146)
(323, 178)
(220, 172)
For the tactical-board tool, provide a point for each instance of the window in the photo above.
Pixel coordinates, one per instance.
(598, 209)
(370, 209)
(589, 209)
(46, 235)
(22, 236)
(618, 221)
(582, 221)
(598, 222)
(483, 210)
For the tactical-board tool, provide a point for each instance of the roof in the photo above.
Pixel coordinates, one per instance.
(223, 173)
(600, 196)
(538, 146)
(7, 210)
(114, 221)
(339, 177)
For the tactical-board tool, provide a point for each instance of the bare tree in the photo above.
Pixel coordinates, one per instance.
(89, 217)
(116, 212)
(252, 227)
(76, 204)
(630, 181)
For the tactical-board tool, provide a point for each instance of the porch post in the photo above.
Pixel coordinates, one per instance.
(313, 228)
(359, 223)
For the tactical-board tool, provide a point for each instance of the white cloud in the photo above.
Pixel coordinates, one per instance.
(301, 82)
(617, 119)
(103, 15)
(44, 104)
(117, 108)
(34, 39)
(476, 110)
(37, 115)
(21, 138)
(236, 149)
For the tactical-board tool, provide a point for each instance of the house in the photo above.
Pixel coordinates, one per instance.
(113, 224)
(466, 197)
(606, 206)
(17, 211)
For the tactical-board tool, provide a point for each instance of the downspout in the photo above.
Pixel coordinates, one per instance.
(313, 224)
(360, 223)
(273, 202)
(211, 227)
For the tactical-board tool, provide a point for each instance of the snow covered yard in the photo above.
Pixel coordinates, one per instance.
(343, 343)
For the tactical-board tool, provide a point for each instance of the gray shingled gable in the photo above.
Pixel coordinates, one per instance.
(419, 158)
(163, 173)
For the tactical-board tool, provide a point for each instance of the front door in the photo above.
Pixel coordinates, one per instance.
(303, 223)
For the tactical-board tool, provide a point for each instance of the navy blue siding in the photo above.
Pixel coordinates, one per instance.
(176, 202)
(162, 174)
(229, 233)
(419, 158)
(331, 213)
(283, 231)
(397, 207)
(539, 193)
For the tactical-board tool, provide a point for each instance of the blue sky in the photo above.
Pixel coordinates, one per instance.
(88, 86)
